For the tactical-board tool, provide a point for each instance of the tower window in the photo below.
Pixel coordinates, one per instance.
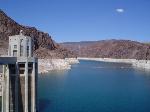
(21, 50)
(27, 51)
(15, 46)
(15, 53)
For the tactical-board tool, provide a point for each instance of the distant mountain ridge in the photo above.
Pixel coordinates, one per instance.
(119, 49)
(44, 46)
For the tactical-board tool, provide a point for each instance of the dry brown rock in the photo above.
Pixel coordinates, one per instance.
(123, 49)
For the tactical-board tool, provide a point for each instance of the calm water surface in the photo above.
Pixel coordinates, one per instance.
(95, 87)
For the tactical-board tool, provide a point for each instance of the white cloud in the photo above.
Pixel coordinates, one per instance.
(120, 10)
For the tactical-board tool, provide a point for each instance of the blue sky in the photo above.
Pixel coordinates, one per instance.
(80, 20)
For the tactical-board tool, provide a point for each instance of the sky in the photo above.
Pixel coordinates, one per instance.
(83, 20)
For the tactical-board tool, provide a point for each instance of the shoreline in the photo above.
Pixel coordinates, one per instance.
(141, 64)
(46, 65)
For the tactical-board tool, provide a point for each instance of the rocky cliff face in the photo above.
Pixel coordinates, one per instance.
(44, 46)
(124, 49)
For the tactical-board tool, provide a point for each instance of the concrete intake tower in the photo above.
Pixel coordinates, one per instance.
(20, 76)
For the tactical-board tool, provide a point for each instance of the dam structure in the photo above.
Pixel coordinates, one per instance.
(20, 76)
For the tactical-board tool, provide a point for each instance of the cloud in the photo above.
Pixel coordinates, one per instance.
(120, 10)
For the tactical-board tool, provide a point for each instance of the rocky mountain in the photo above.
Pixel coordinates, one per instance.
(44, 46)
(124, 49)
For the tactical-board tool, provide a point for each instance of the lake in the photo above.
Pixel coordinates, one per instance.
(93, 86)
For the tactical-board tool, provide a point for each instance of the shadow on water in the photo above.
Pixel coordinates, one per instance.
(43, 104)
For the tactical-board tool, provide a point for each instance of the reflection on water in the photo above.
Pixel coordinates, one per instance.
(95, 87)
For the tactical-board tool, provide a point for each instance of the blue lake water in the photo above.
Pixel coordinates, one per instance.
(95, 87)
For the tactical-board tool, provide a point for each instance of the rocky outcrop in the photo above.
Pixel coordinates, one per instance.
(46, 65)
(118, 49)
(142, 64)
(43, 43)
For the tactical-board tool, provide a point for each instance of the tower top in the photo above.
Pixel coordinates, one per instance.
(20, 46)
(21, 32)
